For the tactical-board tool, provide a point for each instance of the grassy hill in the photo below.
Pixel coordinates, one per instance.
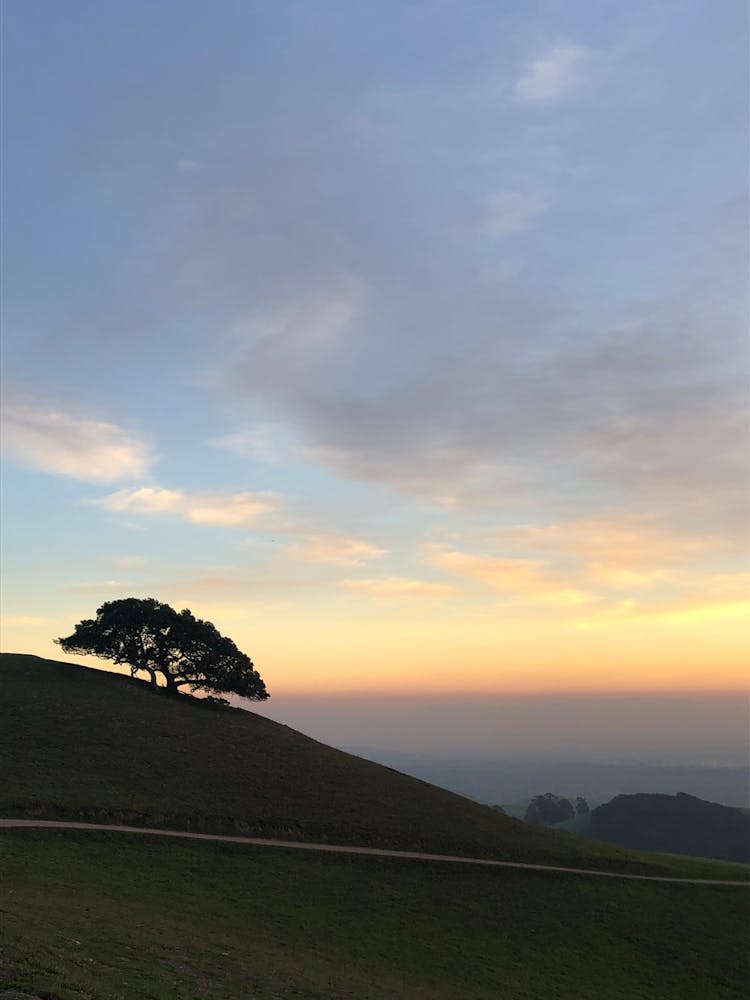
(107, 916)
(110, 916)
(86, 744)
(678, 824)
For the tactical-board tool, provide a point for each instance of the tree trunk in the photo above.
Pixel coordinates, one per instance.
(147, 670)
(171, 685)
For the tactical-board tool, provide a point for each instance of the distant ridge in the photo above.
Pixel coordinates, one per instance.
(675, 824)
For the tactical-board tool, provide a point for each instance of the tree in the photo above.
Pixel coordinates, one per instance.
(548, 809)
(153, 638)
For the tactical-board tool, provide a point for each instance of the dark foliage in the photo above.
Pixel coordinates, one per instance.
(676, 824)
(153, 638)
(547, 809)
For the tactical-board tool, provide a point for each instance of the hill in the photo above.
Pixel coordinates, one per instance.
(108, 916)
(676, 824)
(85, 744)
(99, 915)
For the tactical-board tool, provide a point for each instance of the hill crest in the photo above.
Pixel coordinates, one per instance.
(92, 745)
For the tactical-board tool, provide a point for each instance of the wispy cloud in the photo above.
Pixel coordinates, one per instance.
(144, 500)
(729, 603)
(108, 586)
(397, 587)
(48, 438)
(315, 319)
(530, 580)
(552, 75)
(267, 442)
(618, 550)
(230, 511)
(233, 510)
(511, 212)
(335, 549)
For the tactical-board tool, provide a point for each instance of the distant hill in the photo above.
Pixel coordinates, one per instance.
(86, 744)
(502, 780)
(675, 824)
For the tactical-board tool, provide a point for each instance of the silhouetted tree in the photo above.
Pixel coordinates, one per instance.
(548, 809)
(152, 637)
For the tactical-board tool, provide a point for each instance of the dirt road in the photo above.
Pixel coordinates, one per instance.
(341, 849)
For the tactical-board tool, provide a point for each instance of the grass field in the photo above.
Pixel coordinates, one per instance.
(104, 915)
(85, 744)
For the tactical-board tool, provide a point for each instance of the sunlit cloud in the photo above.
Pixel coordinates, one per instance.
(144, 500)
(620, 550)
(234, 510)
(692, 612)
(48, 438)
(399, 587)
(93, 587)
(217, 509)
(738, 611)
(552, 75)
(335, 549)
(529, 580)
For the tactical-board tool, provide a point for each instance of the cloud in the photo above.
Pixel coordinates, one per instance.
(268, 442)
(722, 598)
(335, 549)
(530, 580)
(587, 561)
(369, 334)
(619, 549)
(645, 410)
(144, 500)
(188, 165)
(397, 587)
(511, 212)
(319, 317)
(553, 75)
(234, 510)
(110, 586)
(47, 438)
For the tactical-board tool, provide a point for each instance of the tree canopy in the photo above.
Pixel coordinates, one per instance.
(153, 638)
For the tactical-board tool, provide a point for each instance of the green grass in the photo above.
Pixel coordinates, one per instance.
(88, 916)
(85, 744)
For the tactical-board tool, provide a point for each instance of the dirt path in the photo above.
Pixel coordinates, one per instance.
(377, 852)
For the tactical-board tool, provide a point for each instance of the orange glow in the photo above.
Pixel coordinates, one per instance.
(702, 648)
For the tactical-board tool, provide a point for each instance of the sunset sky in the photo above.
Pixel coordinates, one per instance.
(404, 340)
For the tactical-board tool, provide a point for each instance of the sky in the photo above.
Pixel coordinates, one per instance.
(405, 341)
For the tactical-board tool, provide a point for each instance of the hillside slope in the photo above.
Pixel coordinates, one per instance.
(86, 744)
(108, 916)
(677, 824)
